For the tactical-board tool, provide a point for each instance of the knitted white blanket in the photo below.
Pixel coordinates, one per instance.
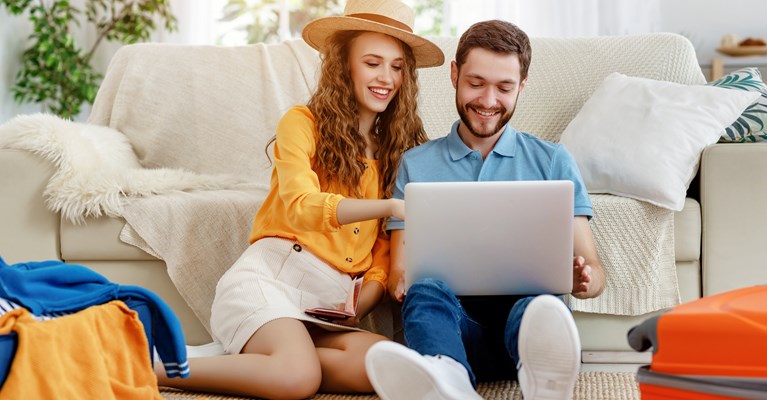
(199, 235)
(635, 242)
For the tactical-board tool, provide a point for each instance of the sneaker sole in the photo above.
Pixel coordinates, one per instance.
(550, 366)
(399, 373)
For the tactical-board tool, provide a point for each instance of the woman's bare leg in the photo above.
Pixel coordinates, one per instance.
(342, 356)
(278, 362)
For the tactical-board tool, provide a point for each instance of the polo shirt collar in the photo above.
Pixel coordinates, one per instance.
(458, 149)
(506, 145)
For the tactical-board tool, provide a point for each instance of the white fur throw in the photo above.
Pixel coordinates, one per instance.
(96, 167)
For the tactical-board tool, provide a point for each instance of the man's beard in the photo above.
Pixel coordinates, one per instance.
(476, 131)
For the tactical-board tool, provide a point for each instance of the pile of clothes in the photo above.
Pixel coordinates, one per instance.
(68, 332)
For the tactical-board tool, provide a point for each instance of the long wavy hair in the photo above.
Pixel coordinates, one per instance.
(340, 146)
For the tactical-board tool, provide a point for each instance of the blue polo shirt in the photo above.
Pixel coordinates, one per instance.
(517, 156)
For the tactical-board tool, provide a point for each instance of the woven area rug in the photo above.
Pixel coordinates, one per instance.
(590, 386)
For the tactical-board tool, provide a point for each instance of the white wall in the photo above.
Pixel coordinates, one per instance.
(704, 22)
(13, 32)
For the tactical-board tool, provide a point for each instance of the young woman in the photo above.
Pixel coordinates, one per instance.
(335, 161)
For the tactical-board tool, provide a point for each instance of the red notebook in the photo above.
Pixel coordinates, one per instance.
(342, 311)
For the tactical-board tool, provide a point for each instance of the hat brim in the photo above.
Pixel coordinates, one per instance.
(316, 33)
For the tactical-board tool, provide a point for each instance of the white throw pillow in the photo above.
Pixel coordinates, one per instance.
(642, 138)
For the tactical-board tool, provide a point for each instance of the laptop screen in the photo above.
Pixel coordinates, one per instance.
(491, 238)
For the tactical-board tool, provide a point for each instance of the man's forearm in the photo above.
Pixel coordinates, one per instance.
(397, 263)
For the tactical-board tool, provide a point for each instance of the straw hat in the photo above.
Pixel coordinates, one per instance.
(391, 17)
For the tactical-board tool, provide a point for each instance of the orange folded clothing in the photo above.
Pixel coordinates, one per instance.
(97, 353)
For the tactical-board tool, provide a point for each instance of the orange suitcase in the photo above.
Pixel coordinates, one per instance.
(709, 349)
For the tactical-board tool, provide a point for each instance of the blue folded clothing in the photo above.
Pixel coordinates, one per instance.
(46, 287)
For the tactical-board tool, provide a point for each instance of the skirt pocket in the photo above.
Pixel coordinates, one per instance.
(320, 284)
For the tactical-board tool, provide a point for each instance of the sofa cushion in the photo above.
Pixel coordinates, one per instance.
(751, 126)
(97, 239)
(642, 138)
(687, 232)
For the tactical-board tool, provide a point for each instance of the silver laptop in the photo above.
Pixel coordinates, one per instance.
(491, 238)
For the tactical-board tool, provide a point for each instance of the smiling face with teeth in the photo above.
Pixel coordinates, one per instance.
(487, 87)
(376, 62)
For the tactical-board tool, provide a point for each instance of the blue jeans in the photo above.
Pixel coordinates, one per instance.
(479, 332)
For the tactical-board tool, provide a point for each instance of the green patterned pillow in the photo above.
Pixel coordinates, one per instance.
(751, 126)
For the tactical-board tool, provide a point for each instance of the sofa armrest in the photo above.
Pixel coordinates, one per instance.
(29, 230)
(733, 187)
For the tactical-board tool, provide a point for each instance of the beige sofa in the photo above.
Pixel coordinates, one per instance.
(167, 98)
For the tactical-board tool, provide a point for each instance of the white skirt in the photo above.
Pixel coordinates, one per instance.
(274, 278)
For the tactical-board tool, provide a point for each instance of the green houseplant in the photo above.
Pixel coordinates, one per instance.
(55, 71)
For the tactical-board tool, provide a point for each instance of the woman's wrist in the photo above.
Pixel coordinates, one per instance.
(397, 208)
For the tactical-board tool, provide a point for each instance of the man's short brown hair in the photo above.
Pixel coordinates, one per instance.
(498, 36)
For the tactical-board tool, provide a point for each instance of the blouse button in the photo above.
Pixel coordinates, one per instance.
(356, 231)
(348, 259)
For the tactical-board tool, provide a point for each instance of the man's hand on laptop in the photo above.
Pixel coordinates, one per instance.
(397, 284)
(581, 276)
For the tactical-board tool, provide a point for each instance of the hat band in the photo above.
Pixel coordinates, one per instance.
(383, 20)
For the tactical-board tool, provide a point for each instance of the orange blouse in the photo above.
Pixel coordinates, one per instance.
(302, 207)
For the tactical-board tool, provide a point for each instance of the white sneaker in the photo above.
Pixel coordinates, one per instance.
(399, 373)
(549, 350)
